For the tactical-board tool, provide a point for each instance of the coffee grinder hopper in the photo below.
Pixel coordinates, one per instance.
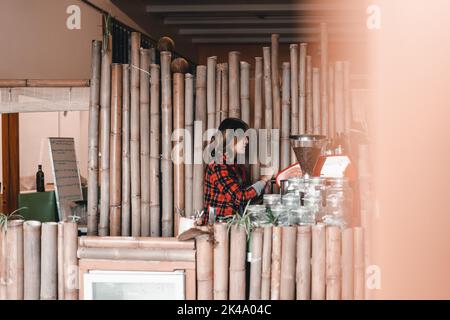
(307, 149)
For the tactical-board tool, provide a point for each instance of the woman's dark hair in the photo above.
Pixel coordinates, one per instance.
(227, 125)
(232, 124)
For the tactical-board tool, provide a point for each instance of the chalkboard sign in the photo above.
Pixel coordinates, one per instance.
(66, 175)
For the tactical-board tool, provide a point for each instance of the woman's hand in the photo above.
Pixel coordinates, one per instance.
(266, 178)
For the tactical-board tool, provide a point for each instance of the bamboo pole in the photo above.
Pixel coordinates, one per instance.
(155, 150)
(126, 179)
(275, 277)
(257, 112)
(134, 242)
(115, 151)
(14, 261)
(309, 96)
(70, 261)
(318, 262)
(217, 116)
(303, 271)
(294, 94)
(204, 268)
(61, 294)
(31, 260)
(333, 263)
(276, 100)
(12, 83)
(188, 143)
(266, 263)
(324, 77)
(288, 259)
(347, 265)
(211, 91)
(316, 101)
(200, 119)
(331, 116)
(143, 254)
(144, 103)
(49, 261)
(135, 136)
(359, 267)
(105, 123)
(224, 100)
(238, 243)
(256, 264)
(166, 130)
(347, 98)
(221, 260)
(3, 262)
(234, 108)
(94, 102)
(339, 100)
(152, 55)
(268, 123)
(302, 82)
(60, 83)
(286, 116)
(245, 92)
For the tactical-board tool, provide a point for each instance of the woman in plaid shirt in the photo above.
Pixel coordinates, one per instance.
(226, 186)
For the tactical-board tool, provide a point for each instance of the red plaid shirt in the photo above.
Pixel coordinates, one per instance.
(225, 189)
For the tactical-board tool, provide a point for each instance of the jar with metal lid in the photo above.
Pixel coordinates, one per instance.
(277, 212)
(291, 200)
(339, 202)
(271, 199)
(303, 216)
(257, 214)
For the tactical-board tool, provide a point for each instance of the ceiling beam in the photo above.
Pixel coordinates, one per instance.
(266, 40)
(257, 20)
(265, 31)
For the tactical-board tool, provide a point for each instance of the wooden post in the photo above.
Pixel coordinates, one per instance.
(324, 77)
(276, 101)
(347, 98)
(257, 112)
(256, 264)
(339, 99)
(218, 95)
(245, 92)
(266, 263)
(204, 268)
(331, 116)
(309, 97)
(166, 161)
(49, 261)
(275, 277)
(303, 270)
(144, 111)
(135, 136)
(288, 257)
(268, 123)
(333, 262)
(94, 102)
(318, 262)
(302, 82)
(238, 255)
(316, 101)
(155, 212)
(221, 260)
(188, 143)
(115, 142)
(224, 100)
(105, 127)
(211, 91)
(358, 251)
(15, 260)
(286, 117)
(234, 110)
(31, 260)
(126, 178)
(347, 265)
(61, 295)
(294, 113)
(70, 261)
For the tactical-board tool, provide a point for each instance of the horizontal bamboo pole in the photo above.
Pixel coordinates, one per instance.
(14, 262)
(266, 263)
(12, 83)
(333, 263)
(31, 260)
(154, 254)
(347, 265)
(135, 242)
(221, 261)
(49, 261)
(51, 83)
(205, 281)
(303, 269)
(318, 262)
(275, 276)
(238, 251)
(256, 264)
(288, 256)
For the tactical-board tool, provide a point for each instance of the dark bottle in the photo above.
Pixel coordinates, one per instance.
(40, 184)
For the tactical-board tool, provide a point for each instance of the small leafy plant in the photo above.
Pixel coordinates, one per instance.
(241, 220)
(4, 218)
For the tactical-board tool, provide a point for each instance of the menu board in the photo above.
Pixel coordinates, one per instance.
(66, 175)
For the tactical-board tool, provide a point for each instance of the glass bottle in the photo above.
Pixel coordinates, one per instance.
(40, 181)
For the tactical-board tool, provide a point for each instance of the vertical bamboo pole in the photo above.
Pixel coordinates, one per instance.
(234, 108)
(268, 123)
(105, 109)
(94, 102)
(256, 264)
(61, 295)
(245, 92)
(178, 140)
(218, 95)
(154, 152)
(288, 256)
(276, 264)
(144, 111)
(294, 113)
(309, 97)
(276, 101)
(339, 100)
(126, 179)
(135, 137)
(316, 101)
(200, 119)
(318, 262)
(257, 111)
(221, 259)
(188, 142)
(359, 268)
(115, 150)
(14, 261)
(152, 55)
(166, 161)
(333, 263)
(211, 91)
(302, 82)
(266, 263)
(224, 100)
(31, 260)
(204, 268)
(324, 77)
(347, 98)
(303, 271)
(347, 265)
(3, 262)
(238, 243)
(70, 261)
(49, 261)
(331, 117)
(286, 116)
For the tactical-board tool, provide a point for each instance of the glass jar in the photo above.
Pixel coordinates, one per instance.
(271, 199)
(279, 214)
(303, 216)
(291, 200)
(339, 202)
(257, 214)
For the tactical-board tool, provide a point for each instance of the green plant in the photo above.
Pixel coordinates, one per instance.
(241, 220)
(4, 218)
(271, 218)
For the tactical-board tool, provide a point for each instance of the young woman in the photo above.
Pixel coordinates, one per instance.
(226, 186)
